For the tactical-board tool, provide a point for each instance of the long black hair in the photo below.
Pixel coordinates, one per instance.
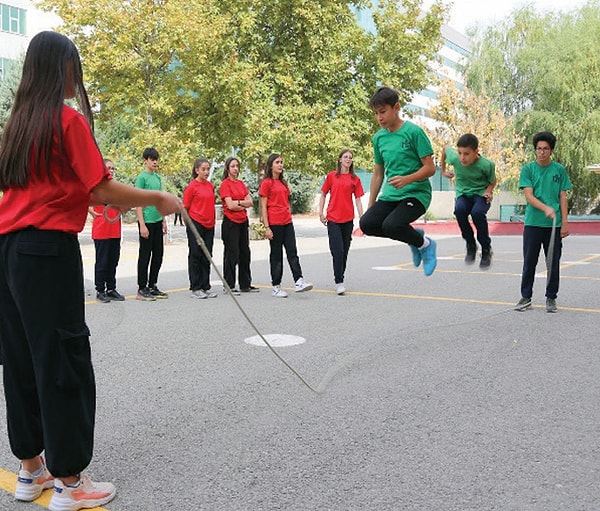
(227, 164)
(52, 68)
(269, 168)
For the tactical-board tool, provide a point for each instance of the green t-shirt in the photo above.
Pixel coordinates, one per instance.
(400, 154)
(547, 183)
(150, 181)
(473, 179)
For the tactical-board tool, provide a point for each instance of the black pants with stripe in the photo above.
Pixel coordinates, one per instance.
(48, 376)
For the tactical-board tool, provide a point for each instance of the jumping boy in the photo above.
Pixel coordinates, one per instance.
(544, 183)
(475, 178)
(403, 165)
(152, 227)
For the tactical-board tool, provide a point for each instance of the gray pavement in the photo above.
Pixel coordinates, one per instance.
(434, 394)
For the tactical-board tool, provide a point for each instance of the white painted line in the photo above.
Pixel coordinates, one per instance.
(276, 340)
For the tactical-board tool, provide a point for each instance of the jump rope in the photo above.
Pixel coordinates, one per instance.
(331, 373)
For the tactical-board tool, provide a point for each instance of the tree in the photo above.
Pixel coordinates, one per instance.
(8, 89)
(549, 80)
(251, 76)
(460, 112)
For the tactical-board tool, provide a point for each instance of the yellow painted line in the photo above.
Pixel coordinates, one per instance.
(452, 300)
(8, 480)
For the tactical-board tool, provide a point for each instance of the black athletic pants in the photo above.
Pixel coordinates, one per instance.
(150, 253)
(48, 376)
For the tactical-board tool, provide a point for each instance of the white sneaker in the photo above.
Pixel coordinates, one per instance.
(29, 487)
(84, 494)
(340, 289)
(279, 293)
(210, 294)
(303, 286)
(199, 294)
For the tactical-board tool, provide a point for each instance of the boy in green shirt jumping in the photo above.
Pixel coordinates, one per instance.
(475, 178)
(403, 166)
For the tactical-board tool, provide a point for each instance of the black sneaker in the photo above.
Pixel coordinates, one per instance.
(102, 297)
(145, 295)
(486, 259)
(114, 295)
(250, 289)
(157, 293)
(470, 255)
(551, 305)
(524, 303)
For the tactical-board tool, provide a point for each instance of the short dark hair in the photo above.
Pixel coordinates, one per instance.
(544, 136)
(150, 154)
(468, 140)
(384, 96)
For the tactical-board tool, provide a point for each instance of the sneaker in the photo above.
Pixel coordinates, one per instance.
(551, 305)
(201, 295)
(486, 259)
(250, 289)
(209, 293)
(84, 494)
(234, 291)
(157, 293)
(340, 289)
(416, 253)
(429, 258)
(102, 297)
(471, 254)
(279, 293)
(145, 294)
(524, 303)
(303, 286)
(114, 295)
(30, 487)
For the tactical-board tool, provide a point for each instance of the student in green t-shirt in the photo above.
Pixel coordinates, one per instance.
(475, 178)
(544, 183)
(152, 227)
(403, 166)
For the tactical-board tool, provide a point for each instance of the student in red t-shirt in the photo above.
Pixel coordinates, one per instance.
(342, 185)
(199, 201)
(277, 217)
(234, 230)
(51, 170)
(107, 242)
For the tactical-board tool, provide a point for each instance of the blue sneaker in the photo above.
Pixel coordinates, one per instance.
(429, 258)
(416, 253)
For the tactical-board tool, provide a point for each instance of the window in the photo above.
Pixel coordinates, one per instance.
(13, 19)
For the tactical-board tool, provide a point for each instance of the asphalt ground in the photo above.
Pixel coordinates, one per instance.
(433, 394)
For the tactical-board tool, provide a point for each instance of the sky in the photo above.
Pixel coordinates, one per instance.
(482, 13)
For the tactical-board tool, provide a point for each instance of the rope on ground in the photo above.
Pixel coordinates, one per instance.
(188, 222)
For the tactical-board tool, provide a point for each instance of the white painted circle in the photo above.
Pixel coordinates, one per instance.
(276, 340)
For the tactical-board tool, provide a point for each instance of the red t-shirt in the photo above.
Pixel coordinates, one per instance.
(237, 191)
(199, 200)
(341, 188)
(102, 229)
(62, 205)
(278, 201)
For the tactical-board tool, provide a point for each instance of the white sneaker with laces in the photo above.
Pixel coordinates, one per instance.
(278, 292)
(340, 289)
(303, 286)
(30, 487)
(210, 294)
(201, 295)
(84, 494)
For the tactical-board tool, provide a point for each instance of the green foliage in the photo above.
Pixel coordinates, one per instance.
(8, 89)
(549, 80)
(201, 78)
